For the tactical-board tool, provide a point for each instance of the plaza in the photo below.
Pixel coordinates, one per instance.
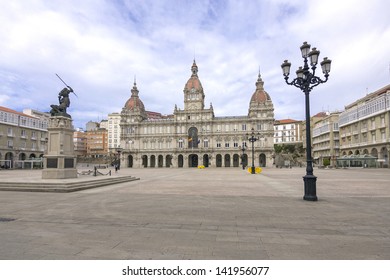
(214, 213)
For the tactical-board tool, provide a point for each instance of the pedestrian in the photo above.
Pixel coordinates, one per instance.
(116, 168)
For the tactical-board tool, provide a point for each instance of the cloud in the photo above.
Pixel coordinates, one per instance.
(98, 47)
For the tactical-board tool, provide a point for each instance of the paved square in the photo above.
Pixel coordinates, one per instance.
(219, 213)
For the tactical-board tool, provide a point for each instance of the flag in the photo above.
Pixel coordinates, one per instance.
(189, 139)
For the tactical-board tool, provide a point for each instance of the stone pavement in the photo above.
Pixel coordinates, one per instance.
(219, 213)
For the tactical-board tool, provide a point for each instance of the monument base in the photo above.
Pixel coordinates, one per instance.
(60, 161)
(59, 173)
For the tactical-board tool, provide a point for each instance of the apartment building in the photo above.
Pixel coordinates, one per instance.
(287, 131)
(365, 129)
(326, 141)
(23, 139)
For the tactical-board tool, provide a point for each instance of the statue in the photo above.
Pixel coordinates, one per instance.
(64, 101)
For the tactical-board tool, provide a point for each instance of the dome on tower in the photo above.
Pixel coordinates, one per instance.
(193, 81)
(260, 95)
(134, 103)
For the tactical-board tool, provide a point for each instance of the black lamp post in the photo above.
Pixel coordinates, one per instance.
(253, 139)
(243, 149)
(306, 81)
(119, 150)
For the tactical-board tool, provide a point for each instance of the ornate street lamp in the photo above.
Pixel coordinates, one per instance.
(253, 139)
(119, 150)
(243, 149)
(306, 81)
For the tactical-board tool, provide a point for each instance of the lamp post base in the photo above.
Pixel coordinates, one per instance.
(310, 188)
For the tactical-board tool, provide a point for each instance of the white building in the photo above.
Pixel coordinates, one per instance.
(287, 131)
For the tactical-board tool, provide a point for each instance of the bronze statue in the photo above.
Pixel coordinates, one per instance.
(64, 101)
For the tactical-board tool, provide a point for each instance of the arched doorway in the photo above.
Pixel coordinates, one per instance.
(262, 160)
(206, 160)
(9, 157)
(145, 161)
(236, 160)
(32, 156)
(193, 160)
(160, 161)
(227, 160)
(168, 161)
(22, 156)
(180, 160)
(219, 160)
(245, 160)
(130, 161)
(384, 156)
(153, 161)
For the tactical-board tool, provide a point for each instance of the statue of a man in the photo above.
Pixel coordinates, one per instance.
(64, 100)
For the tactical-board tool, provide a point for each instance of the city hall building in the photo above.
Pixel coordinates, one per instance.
(194, 136)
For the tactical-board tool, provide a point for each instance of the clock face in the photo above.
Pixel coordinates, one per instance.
(193, 90)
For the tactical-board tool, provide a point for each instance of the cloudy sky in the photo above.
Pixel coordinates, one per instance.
(98, 47)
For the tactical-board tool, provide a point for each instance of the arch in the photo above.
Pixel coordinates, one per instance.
(9, 157)
(374, 152)
(168, 161)
(22, 156)
(193, 160)
(344, 153)
(32, 156)
(365, 152)
(227, 160)
(145, 161)
(236, 160)
(357, 152)
(206, 160)
(218, 160)
(153, 161)
(262, 160)
(130, 161)
(193, 137)
(244, 160)
(350, 153)
(384, 155)
(180, 160)
(160, 161)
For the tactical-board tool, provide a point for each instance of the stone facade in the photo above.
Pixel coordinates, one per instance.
(194, 136)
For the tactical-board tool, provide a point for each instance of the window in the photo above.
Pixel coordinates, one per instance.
(226, 145)
(218, 144)
(181, 143)
(235, 145)
(206, 143)
(243, 127)
(10, 144)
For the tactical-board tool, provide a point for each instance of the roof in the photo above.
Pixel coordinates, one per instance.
(286, 121)
(8, 110)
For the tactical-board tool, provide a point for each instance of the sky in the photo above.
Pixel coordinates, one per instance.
(99, 47)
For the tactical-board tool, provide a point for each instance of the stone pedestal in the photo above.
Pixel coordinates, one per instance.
(60, 160)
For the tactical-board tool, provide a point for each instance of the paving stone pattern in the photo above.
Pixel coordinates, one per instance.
(220, 213)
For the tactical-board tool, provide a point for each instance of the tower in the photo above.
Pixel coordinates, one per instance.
(193, 91)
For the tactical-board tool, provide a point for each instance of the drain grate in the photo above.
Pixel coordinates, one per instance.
(6, 219)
